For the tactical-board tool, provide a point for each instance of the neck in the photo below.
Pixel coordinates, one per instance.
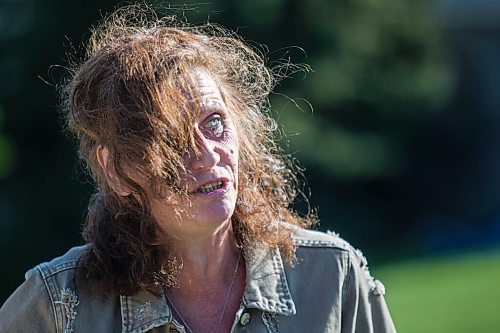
(208, 260)
(212, 280)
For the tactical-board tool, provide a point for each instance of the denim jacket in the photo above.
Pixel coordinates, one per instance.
(327, 289)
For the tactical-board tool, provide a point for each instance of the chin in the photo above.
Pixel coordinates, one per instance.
(215, 214)
(215, 217)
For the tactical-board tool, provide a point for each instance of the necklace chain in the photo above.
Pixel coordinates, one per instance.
(226, 301)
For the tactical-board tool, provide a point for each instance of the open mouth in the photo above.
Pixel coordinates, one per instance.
(210, 187)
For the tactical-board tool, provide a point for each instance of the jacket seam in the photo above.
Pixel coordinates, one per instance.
(285, 294)
(347, 283)
(328, 247)
(47, 270)
(47, 289)
(125, 315)
(318, 244)
(51, 274)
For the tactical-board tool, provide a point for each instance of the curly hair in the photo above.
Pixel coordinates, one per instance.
(131, 95)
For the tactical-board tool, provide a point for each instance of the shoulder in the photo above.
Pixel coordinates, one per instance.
(329, 247)
(52, 299)
(328, 242)
(42, 301)
(317, 239)
(62, 265)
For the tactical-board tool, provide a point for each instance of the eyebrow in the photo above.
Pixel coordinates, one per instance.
(212, 106)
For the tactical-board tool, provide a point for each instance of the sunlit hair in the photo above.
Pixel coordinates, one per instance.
(133, 95)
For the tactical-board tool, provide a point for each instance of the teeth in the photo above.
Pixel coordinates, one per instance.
(210, 187)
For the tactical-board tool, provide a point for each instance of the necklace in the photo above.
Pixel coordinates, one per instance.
(226, 301)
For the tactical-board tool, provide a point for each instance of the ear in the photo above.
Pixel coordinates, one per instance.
(110, 172)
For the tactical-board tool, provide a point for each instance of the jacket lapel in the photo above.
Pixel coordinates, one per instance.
(267, 286)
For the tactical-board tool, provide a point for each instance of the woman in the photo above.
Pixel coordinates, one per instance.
(191, 228)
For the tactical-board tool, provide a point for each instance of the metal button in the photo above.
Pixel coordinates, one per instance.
(245, 319)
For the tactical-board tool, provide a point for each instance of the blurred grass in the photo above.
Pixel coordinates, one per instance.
(446, 294)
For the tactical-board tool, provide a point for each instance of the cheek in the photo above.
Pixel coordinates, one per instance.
(234, 158)
(231, 147)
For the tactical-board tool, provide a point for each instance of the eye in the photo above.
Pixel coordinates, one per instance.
(213, 125)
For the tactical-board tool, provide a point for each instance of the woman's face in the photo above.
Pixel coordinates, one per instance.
(212, 179)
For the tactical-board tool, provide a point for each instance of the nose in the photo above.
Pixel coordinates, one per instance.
(206, 157)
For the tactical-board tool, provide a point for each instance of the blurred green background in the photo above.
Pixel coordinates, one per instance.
(400, 147)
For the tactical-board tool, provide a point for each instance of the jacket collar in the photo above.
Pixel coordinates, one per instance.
(266, 289)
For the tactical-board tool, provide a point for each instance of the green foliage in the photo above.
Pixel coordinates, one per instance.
(331, 147)
(377, 52)
(449, 294)
(263, 12)
(380, 71)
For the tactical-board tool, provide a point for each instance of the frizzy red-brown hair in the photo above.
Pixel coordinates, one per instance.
(132, 94)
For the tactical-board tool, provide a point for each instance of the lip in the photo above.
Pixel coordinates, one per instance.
(225, 187)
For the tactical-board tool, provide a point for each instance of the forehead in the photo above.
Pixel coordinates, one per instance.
(209, 92)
